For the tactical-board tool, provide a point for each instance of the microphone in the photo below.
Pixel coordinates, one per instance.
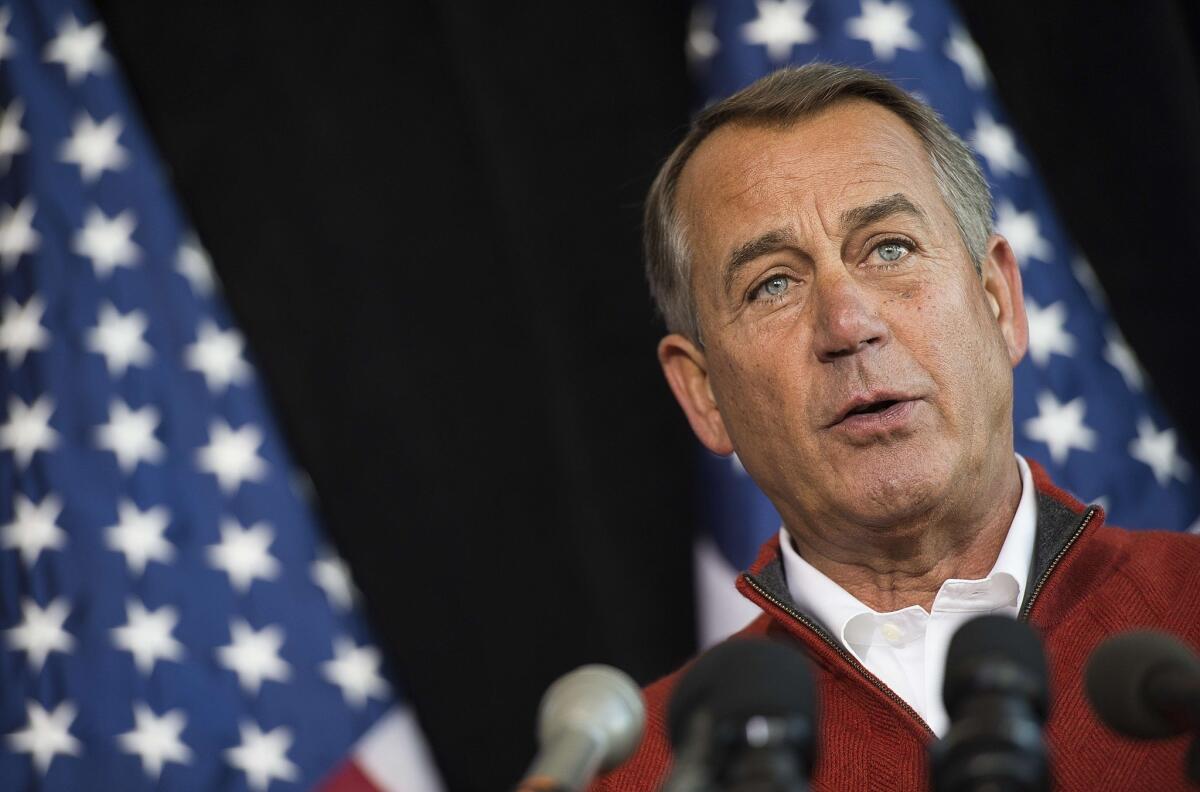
(590, 720)
(1146, 685)
(741, 720)
(995, 692)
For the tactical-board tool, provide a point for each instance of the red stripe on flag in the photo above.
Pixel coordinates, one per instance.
(348, 778)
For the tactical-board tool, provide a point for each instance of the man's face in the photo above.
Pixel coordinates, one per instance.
(853, 357)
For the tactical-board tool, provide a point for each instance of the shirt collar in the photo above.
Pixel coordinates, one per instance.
(834, 607)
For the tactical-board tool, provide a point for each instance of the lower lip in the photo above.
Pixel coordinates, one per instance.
(874, 423)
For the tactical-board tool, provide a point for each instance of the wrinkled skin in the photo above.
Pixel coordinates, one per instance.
(836, 308)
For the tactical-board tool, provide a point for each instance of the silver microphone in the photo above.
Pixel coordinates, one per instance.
(590, 720)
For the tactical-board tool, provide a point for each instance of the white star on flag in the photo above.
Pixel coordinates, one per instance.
(779, 26)
(8, 44)
(17, 237)
(21, 330)
(1121, 357)
(232, 455)
(1047, 331)
(95, 147)
(41, 632)
(254, 655)
(885, 27)
(107, 241)
(193, 263)
(263, 757)
(244, 555)
(146, 507)
(961, 49)
(28, 429)
(332, 574)
(46, 735)
(702, 42)
(138, 535)
(146, 635)
(997, 144)
(1060, 426)
(120, 339)
(355, 669)
(129, 434)
(1159, 451)
(13, 139)
(78, 48)
(156, 739)
(34, 528)
(217, 354)
(1023, 233)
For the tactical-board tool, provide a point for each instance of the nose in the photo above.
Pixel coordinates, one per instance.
(848, 320)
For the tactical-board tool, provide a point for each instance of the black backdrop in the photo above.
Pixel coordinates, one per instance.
(426, 217)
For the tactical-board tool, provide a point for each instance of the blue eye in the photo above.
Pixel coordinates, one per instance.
(893, 250)
(772, 288)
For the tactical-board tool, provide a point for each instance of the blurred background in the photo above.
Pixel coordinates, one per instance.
(426, 220)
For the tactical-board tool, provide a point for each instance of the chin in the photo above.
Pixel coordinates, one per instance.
(893, 490)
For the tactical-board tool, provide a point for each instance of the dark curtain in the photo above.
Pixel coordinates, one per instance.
(426, 217)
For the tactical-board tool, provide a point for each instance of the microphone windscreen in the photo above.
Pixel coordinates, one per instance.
(1117, 676)
(739, 679)
(995, 655)
(597, 699)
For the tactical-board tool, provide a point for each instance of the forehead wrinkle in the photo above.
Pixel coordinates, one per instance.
(741, 169)
(762, 183)
(792, 182)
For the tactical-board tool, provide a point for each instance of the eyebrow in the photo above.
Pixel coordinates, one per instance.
(850, 220)
(881, 209)
(743, 254)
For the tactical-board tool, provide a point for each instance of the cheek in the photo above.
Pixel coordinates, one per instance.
(750, 390)
(956, 338)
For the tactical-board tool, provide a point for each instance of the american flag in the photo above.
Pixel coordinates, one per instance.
(1082, 406)
(169, 615)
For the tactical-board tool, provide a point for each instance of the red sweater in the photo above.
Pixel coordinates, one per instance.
(1087, 581)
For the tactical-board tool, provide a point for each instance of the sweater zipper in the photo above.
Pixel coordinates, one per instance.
(1058, 557)
(875, 681)
(820, 633)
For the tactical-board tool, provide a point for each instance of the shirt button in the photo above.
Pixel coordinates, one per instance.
(891, 632)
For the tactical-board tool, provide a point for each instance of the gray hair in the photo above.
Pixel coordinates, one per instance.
(780, 100)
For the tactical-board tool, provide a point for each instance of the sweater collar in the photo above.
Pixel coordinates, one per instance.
(1059, 517)
(1006, 582)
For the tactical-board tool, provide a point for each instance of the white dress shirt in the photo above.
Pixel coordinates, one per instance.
(907, 648)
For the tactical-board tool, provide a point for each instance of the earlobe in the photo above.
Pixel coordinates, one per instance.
(686, 368)
(1002, 284)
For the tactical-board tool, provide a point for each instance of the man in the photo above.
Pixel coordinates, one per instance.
(843, 318)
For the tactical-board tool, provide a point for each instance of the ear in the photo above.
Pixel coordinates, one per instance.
(686, 369)
(1002, 284)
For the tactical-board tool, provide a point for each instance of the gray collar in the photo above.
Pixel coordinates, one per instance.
(1057, 527)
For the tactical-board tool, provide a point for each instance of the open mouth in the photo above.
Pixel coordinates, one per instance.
(873, 407)
(876, 413)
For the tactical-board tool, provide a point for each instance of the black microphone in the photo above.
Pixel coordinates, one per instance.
(742, 720)
(1146, 685)
(995, 692)
(590, 720)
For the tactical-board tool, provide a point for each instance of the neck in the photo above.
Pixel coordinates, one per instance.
(907, 563)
